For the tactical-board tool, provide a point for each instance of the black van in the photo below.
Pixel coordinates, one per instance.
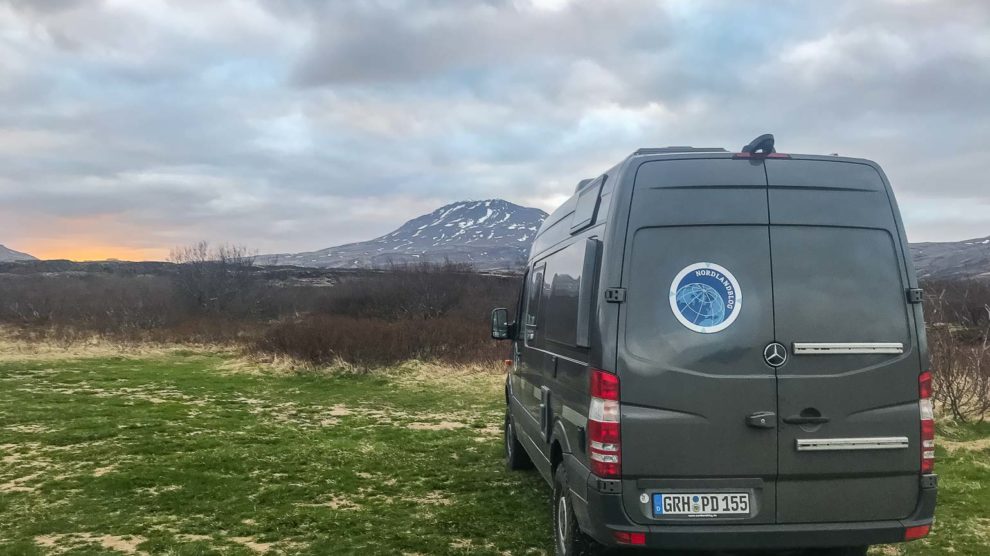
(721, 350)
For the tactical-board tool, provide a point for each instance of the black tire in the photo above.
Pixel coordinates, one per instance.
(568, 540)
(516, 457)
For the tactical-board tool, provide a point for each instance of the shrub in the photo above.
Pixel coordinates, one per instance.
(370, 318)
(959, 346)
(329, 339)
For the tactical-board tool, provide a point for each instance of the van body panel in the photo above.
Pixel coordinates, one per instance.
(839, 277)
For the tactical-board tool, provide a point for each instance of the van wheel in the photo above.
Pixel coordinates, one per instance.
(839, 551)
(516, 457)
(567, 536)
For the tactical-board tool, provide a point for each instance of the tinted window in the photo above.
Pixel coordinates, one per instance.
(563, 276)
(534, 297)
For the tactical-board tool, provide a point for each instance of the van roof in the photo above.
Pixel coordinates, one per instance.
(666, 150)
(662, 153)
(762, 146)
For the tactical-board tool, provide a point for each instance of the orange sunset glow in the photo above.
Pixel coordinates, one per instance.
(87, 251)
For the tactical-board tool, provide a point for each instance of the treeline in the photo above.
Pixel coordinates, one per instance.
(216, 295)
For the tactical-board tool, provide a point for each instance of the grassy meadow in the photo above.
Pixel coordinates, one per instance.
(186, 452)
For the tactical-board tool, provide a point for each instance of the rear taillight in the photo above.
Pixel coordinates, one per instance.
(917, 532)
(623, 537)
(927, 422)
(604, 448)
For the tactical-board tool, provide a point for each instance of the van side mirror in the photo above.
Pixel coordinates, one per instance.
(501, 328)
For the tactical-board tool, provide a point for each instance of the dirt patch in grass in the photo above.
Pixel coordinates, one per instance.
(30, 429)
(334, 503)
(253, 544)
(189, 537)
(441, 426)
(17, 485)
(101, 471)
(434, 498)
(59, 543)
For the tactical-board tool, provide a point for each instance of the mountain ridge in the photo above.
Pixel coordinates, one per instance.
(490, 234)
(9, 255)
(969, 258)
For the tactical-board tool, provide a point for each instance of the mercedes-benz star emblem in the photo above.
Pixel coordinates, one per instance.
(775, 354)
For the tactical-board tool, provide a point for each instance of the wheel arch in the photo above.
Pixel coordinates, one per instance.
(559, 445)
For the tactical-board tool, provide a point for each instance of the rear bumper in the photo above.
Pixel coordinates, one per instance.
(603, 514)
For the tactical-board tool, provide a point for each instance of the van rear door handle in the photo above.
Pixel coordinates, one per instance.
(805, 420)
(762, 420)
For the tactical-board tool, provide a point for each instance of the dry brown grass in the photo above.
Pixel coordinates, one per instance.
(15, 347)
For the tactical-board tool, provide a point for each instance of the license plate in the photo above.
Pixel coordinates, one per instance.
(711, 504)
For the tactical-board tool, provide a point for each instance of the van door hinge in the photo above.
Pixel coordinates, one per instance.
(915, 295)
(615, 295)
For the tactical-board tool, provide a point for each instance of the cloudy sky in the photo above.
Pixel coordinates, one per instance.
(131, 126)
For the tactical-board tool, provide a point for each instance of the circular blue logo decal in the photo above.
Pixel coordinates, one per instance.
(705, 297)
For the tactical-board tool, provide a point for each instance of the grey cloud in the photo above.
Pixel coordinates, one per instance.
(464, 41)
(296, 125)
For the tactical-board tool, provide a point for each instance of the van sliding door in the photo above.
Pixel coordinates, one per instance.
(848, 428)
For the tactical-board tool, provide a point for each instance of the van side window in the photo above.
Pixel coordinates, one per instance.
(534, 297)
(518, 313)
(587, 205)
(563, 270)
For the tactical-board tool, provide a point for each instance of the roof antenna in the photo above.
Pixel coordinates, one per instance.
(762, 144)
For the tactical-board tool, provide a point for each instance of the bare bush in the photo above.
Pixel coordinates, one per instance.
(328, 339)
(418, 292)
(97, 303)
(959, 345)
(213, 279)
(216, 296)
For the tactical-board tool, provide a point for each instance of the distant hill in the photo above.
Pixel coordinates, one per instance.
(489, 235)
(9, 255)
(952, 259)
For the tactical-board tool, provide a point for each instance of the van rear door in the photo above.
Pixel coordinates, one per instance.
(689, 383)
(848, 418)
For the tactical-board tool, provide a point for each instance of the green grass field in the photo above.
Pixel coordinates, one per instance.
(198, 454)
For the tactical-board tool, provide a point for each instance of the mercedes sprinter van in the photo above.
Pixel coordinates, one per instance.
(717, 350)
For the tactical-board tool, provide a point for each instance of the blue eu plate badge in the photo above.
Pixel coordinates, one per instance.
(705, 297)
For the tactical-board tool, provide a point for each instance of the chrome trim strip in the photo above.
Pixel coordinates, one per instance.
(869, 443)
(815, 348)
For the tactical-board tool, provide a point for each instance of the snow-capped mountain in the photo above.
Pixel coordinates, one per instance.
(9, 255)
(952, 259)
(489, 235)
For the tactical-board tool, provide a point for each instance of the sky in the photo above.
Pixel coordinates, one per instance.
(131, 127)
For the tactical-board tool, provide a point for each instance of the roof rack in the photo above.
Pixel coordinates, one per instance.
(663, 150)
